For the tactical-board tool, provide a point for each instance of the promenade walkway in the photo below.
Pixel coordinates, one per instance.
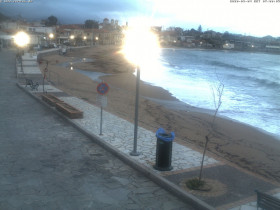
(45, 163)
(234, 188)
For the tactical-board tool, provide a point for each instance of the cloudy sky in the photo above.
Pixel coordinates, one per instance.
(250, 18)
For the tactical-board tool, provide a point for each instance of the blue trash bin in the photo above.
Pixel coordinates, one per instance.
(164, 150)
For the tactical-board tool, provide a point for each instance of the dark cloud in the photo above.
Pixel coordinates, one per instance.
(75, 10)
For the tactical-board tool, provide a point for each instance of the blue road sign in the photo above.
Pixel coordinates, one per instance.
(102, 88)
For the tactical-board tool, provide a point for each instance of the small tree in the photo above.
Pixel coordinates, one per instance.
(91, 24)
(217, 93)
(3, 17)
(51, 21)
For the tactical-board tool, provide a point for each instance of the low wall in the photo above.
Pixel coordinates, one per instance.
(41, 54)
(55, 51)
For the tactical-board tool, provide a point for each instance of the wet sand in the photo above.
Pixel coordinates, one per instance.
(232, 141)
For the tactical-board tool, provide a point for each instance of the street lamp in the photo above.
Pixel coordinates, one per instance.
(140, 47)
(72, 37)
(85, 40)
(96, 40)
(51, 36)
(21, 39)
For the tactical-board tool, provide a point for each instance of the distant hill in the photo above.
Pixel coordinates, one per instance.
(3, 17)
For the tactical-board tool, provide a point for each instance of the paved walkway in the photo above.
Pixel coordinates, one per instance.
(45, 163)
(235, 188)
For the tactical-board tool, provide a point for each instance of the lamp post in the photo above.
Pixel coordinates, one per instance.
(51, 36)
(72, 37)
(140, 47)
(85, 39)
(134, 152)
(96, 40)
(21, 39)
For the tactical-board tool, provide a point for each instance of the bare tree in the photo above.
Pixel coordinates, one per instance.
(217, 93)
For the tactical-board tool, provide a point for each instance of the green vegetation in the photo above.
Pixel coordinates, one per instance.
(3, 17)
(91, 24)
(51, 21)
(195, 184)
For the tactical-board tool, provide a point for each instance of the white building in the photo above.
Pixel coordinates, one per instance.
(40, 30)
(228, 46)
(9, 25)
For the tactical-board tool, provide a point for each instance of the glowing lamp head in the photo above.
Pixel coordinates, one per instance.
(140, 45)
(51, 36)
(96, 38)
(72, 37)
(85, 38)
(21, 39)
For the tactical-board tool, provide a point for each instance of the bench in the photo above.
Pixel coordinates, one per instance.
(266, 201)
(31, 84)
(51, 99)
(69, 110)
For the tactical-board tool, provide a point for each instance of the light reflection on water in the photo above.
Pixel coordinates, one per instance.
(95, 76)
(68, 64)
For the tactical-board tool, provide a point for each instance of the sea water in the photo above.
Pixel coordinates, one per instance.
(251, 83)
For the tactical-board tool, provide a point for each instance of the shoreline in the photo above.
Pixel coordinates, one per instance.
(239, 143)
(217, 49)
(182, 106)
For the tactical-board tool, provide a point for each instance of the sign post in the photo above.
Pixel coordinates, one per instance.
(102, 90)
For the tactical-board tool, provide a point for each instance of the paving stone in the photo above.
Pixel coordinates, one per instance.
(182, 157)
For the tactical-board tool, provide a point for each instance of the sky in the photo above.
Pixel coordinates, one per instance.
(253, 17)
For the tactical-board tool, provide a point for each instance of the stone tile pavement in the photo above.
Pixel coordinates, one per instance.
(119, 133)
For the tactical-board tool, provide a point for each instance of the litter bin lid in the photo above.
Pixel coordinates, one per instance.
(161, 134)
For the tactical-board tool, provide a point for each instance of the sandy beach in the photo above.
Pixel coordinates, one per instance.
(240, 144)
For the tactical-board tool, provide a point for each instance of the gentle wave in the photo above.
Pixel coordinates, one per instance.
(228, 66)
(251, 81)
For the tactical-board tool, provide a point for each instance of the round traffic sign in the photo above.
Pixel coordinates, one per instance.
(102, 88)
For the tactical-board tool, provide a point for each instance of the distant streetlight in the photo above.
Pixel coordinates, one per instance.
(85, 38)
(96, 38)
(72, 37)
(51, 36)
